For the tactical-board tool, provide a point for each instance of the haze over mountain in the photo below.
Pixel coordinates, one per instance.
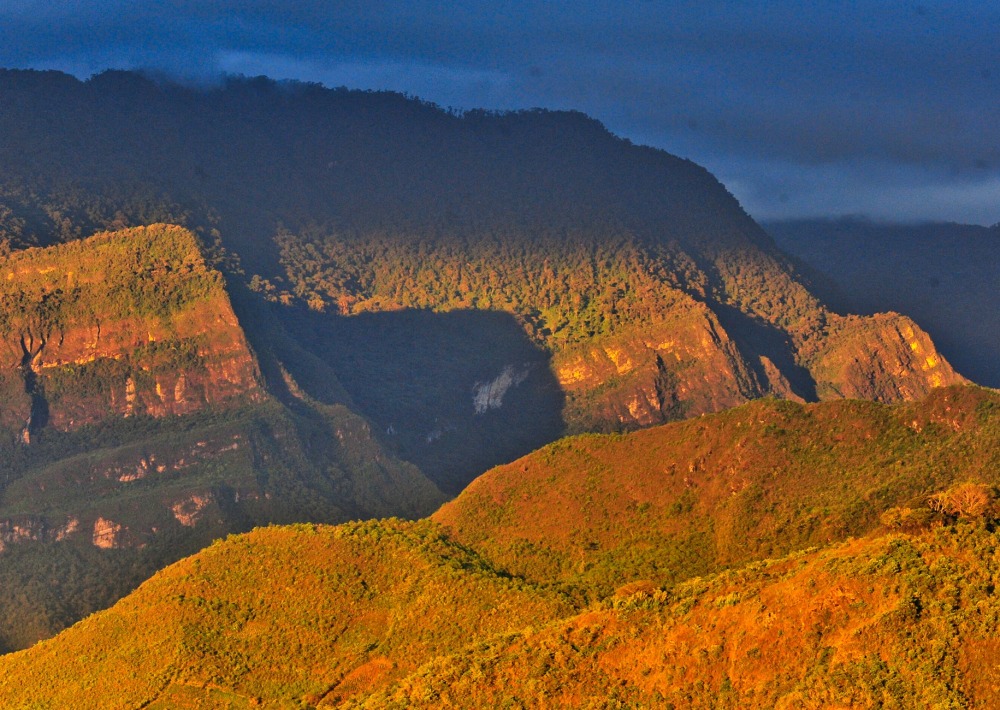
(801, 109)
(368, 300)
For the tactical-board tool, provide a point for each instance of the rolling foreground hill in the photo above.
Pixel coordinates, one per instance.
(284, 614)
(903, 621)
(390, 615)
(477, 283)
(393, 614)
(692, 497)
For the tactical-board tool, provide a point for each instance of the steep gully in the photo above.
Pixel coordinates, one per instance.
(38, 414)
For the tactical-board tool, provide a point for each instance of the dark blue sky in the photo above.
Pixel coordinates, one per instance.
(888, 109)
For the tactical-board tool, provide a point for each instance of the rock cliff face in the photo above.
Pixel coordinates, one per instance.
(689, 364)
(125, 498)
(885, 357)
(684, 365)
(31, 528)
(943, 275)
(121, 324)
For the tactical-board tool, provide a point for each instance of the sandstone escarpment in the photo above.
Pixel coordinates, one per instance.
(684, 365)
(885, 357)
(121, 324)
(689, 363)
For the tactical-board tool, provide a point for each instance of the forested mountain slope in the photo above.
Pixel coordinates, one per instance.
(634, 287)
(391, 615)
(689, 498)
(365, 300)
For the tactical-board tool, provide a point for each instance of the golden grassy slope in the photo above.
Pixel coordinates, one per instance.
(897, 621)
(300, 613)
(392, 615)
(692, 497)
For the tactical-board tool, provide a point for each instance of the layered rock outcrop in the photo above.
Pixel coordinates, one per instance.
(124, 323)
(885, 357)
(689, 364)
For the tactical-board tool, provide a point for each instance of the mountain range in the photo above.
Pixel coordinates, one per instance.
(260, 302)
(638, 288)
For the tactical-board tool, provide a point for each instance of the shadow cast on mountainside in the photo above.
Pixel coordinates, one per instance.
(756, 338)
(455, 393)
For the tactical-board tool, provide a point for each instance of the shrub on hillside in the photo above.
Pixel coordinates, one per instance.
(904, 519)
(965, 500)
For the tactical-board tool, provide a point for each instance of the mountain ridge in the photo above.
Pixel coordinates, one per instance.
(411, 297)
(585, 238)
(939, 273)
(693, 497)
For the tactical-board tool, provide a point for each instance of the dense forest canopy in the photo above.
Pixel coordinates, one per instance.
(253, 155)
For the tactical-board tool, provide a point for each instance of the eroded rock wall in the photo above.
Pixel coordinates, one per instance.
(121, 324)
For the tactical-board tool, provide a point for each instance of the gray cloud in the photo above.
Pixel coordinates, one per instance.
(798, 106)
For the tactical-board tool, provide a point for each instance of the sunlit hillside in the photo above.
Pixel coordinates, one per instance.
(137, 424)
(309, 615)
(900, 621)
(692, 497)
(853, 563)
(390, 615)
(479, 283)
